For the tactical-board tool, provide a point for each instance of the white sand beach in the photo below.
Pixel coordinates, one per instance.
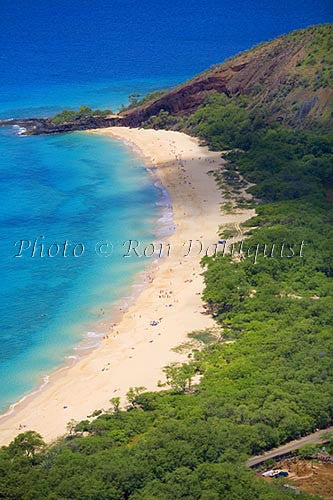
(134, 352)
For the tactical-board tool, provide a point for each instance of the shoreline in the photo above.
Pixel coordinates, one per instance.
(173, 294)
(120, 306)
(118, 309)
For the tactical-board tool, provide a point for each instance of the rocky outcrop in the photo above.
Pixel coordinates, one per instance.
(183, 100)
(276, 75)
(39, 126)
(288, 76)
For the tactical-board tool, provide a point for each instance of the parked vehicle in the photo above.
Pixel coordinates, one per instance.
(275, 473)
(281, 473)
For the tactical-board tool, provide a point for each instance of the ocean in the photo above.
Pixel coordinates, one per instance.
(86, 189)
(70, 205)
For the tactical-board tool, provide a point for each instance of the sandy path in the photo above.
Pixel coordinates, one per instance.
(135, 352)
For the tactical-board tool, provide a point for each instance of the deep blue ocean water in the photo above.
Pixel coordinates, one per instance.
(85, 188)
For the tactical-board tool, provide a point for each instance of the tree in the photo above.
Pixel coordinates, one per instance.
(68, 115)
(71, 426)
(134, 99)
(133, 394)
(179, 377)
(27, 443)
(115, 402)
(84, 112)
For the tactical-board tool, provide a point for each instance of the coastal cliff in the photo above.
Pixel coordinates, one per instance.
(290, 76)
(288, 79)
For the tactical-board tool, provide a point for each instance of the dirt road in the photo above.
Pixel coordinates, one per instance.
(315, 437)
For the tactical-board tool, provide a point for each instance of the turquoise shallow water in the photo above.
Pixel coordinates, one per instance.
(57, 55)
(76, 187)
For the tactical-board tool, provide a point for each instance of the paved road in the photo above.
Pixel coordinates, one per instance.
(314, 438)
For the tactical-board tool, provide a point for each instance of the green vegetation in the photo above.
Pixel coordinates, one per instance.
(163, 120)
(283, 163)
(271, 384)
(228, 231)
(311, 451)
(138, 100)
(319, 56)
(166, 446)
(207, 336)
(221, 121)
(316, 42)
(83, 112)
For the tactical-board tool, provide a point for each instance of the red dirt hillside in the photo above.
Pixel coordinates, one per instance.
(291, 76)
